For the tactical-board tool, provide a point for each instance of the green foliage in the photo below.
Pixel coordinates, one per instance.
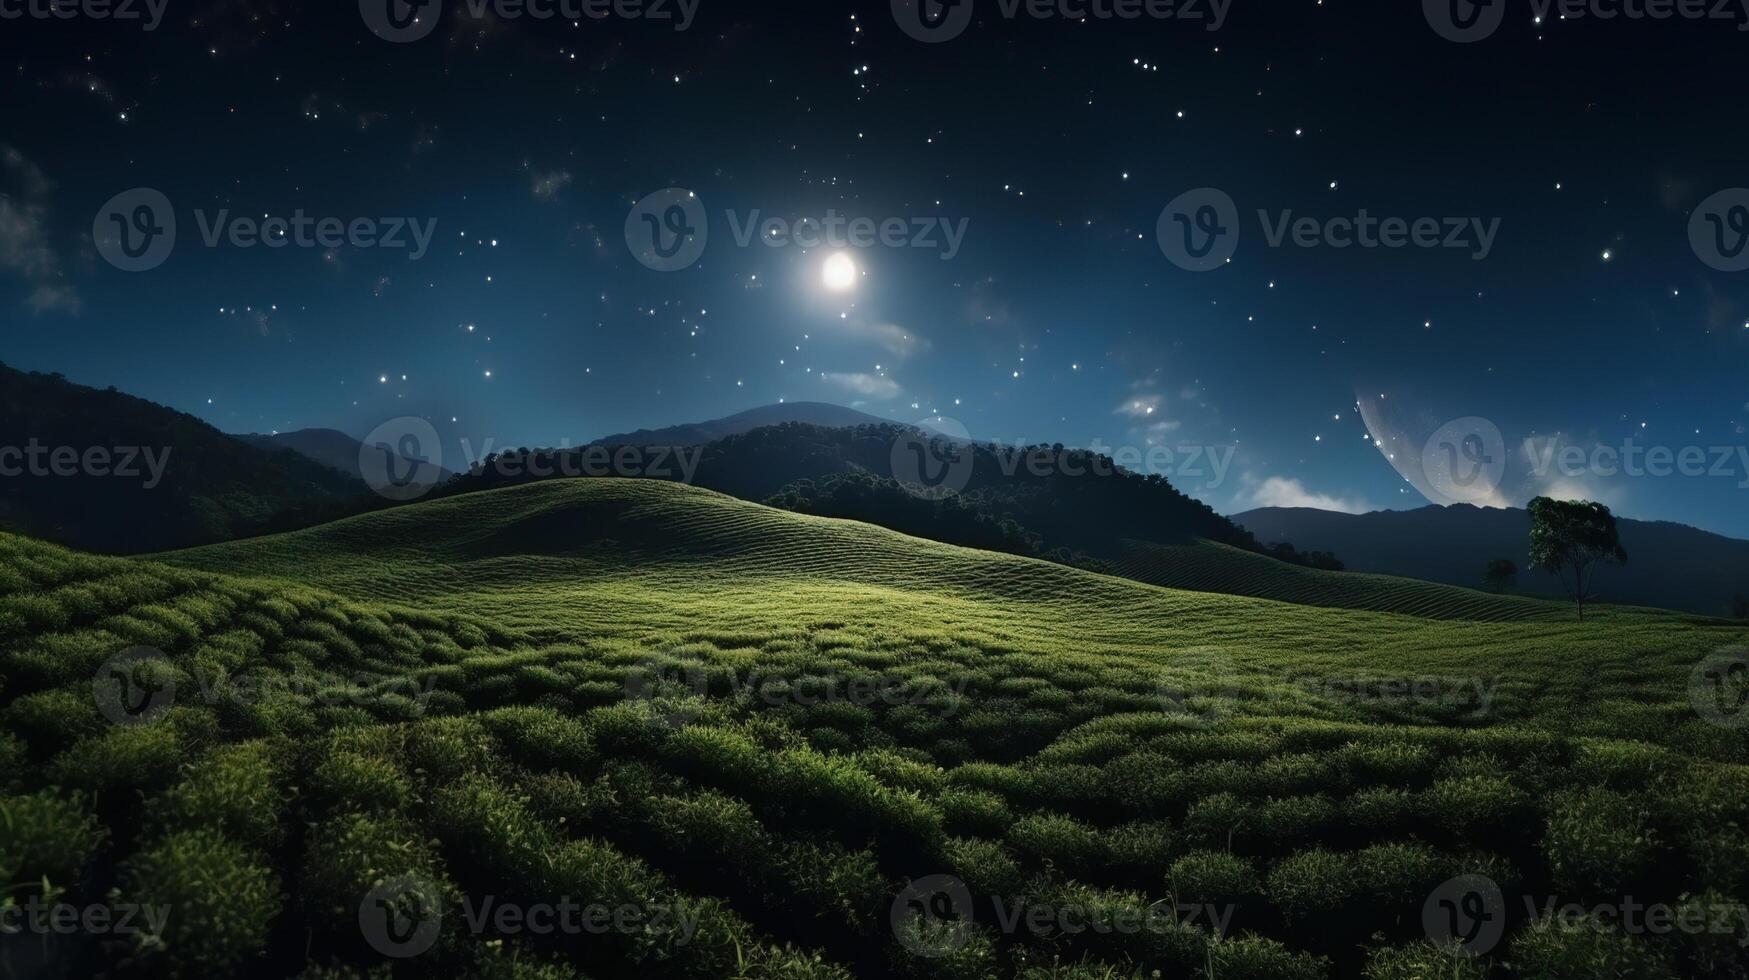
(217, 896)
(1034, 742)
(1423, 961)
(1569, 538)
(234, 789)
(1314, 882)
(1559, 948)
(1214, 877)
(972, 811)
(1259, 958)
(1598, 841)
(121, 760)
(46, 835)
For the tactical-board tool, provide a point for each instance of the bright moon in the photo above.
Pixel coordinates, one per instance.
(840, 273)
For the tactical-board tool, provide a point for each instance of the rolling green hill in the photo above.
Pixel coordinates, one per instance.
(652, 538)
(1209, 566)
(633, 694)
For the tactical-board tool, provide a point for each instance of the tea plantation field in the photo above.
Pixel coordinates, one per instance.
(718, 740)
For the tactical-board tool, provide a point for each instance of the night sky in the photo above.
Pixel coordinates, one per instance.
(1592, 320)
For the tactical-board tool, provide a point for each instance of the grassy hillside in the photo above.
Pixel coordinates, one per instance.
(1209, 566)
(641, 694)
(1669, 565)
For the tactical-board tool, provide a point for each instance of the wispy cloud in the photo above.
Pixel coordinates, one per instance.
(24, 243)
(892, 338)
(864, 384)
(1282, 491)
(546, 187)
(1140, 406)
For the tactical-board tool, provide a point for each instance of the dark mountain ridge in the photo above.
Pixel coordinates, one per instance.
(143, 477)
(1670, 565)
(1048, 501)
(823, 414)
(330, 447)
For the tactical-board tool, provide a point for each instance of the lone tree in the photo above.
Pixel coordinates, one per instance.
(1740, 607)
(1570, 538)
(1502, 574)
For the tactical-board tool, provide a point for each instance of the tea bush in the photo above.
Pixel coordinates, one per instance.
(217, 896)
(1559, 949)
(1597, 841)
(46, 835)
(1213, 876)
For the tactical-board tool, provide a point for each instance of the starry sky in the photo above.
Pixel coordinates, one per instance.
(1054, 144)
